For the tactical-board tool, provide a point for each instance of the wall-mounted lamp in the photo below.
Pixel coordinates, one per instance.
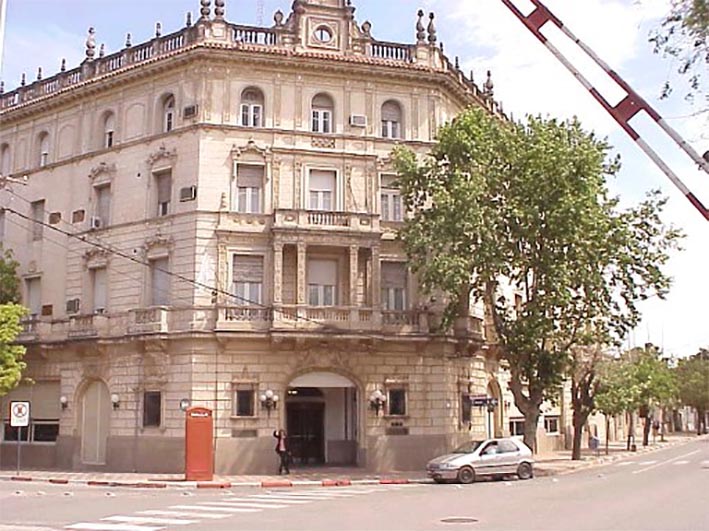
(492, 404)
(377, 400)
(64, 401)
(185, 403)
(507, 404)
(115, 400)
(269, 400)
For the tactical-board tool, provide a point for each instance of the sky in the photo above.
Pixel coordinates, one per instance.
(528, 80)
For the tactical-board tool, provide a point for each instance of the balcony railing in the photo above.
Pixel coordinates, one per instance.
(148, 320)
(326, 220)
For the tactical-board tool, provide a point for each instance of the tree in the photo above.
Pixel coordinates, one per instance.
(616, 393)
(684, 36)
(526, 205)
(11, 364)
(584, 365)
(693, 383)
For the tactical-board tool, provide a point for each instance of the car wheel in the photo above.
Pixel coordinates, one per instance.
(466, 475)
(524, 471)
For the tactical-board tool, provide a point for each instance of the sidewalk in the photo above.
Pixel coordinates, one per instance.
(551, 464)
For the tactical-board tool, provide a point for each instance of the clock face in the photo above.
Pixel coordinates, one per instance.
(323, 34)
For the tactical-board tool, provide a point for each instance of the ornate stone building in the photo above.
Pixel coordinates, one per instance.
(209, 218)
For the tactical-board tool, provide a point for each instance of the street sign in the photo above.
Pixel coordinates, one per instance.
(19, 414)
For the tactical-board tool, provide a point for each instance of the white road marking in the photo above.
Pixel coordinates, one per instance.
(215, 509)
(666, 462)
(246, 504)
(626, 463)
(283, 499)
(111, 527)
(186, 514)
(149, 520)
(646, 463)
(680, 462)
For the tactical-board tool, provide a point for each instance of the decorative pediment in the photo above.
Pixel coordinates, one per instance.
(157, 245)
(102, 172)
(250, 147)
(162, 154)
(95, 258)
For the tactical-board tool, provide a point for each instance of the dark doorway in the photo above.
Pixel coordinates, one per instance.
(306, 430)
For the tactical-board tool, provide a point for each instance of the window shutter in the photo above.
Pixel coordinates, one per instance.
(322, 101)
(249, 175)
(100, 288)
(322, 272)
(103, 203)
(323, 180)
(391, 112)
(43, 398)
(393, 275)
(160, 281)
(247, 269)
(164, 183)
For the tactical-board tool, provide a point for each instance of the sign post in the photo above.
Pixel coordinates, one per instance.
(19, 418)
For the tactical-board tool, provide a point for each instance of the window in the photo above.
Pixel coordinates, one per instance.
(99, 289)
(163, 185)
(244, 398)
(43, 149)
(507, 447)
(551, 424)
(393, 286)
(391, 204)
(397, 401)
(322, 282)
(160, 282)
(168, 113)
(252, 108)
(44, 418)
(248, 195)
(465, 408)
(34, 296)
(323, 110)
(391, 120)
(322, 190)
(152, 408)
(109, 128)
(516, 427)
(37, 208)
(103, 204)
(247, 280)
(490, 449)
(5, 160)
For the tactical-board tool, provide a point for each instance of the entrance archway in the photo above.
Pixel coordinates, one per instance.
(495, 415)
(95, 419)
(321, 419)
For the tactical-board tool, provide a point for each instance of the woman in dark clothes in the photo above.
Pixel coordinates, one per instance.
(282, 450)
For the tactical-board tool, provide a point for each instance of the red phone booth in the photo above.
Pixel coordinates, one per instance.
(199, 448)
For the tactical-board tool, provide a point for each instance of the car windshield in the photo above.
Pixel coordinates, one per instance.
(467, 447)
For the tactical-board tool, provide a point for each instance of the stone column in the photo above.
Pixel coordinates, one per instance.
(277, 274)
(376, 277)
(354, 273)
(300, 286)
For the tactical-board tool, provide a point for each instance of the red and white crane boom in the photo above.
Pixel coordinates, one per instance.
(626, 109)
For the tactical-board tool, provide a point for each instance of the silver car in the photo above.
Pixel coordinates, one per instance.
(491, 457)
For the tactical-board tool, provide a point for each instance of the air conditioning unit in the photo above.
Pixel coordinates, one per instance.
(188, 193)
(358, 120)
(190, 111)
(96, 222)
(73, 306)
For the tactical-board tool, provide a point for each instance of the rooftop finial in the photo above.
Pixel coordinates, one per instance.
(278, 18)
(158, 30)
(91, 44)
(188, 19)
(102, 50)
(39, 73)
(63, 67)
(457, 63)
(128, 43)
(219, 9)
(2, 87)
(420, 29)
(23, 81)
(205, 10)
(489, 86)
(432, 38)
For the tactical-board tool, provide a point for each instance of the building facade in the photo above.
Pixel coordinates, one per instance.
(209, 218)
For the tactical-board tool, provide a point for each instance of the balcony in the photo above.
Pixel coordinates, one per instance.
(244, 318)
(148, 320)
(324, 220)
(325, 318)
(85, 326)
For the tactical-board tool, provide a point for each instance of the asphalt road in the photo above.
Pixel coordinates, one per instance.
(663, 490)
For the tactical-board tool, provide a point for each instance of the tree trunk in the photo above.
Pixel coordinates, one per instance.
(646, 430)
(531, 418)
(578, 433)
(608, 432)
(631, 429)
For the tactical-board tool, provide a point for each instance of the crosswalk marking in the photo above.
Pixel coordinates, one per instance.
(626, 463)
(283, 499)
(246, 504)
(96, 526)
(149, 520)
(646, 463)
(186, 514)
(216, 509)
(681, 462)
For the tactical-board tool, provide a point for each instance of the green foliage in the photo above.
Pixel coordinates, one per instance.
(527, 204)
(617, 393)
(9, 283)
(654, 381)
(684, 37)
(11, 364)
(693, 380)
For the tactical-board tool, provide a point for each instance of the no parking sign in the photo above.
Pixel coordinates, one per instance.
(19, 414)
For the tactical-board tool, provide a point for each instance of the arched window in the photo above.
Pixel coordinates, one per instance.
(168, 113)
(323, 111)
(5, 160)
(109, 128)
(391, 119)
(252, 108)
(43, 142)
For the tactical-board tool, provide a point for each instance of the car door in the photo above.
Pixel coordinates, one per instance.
(508, 456)
(489, 460)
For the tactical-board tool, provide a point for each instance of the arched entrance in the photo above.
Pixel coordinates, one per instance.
(95, 419)
(494, 414)
(322, 420)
